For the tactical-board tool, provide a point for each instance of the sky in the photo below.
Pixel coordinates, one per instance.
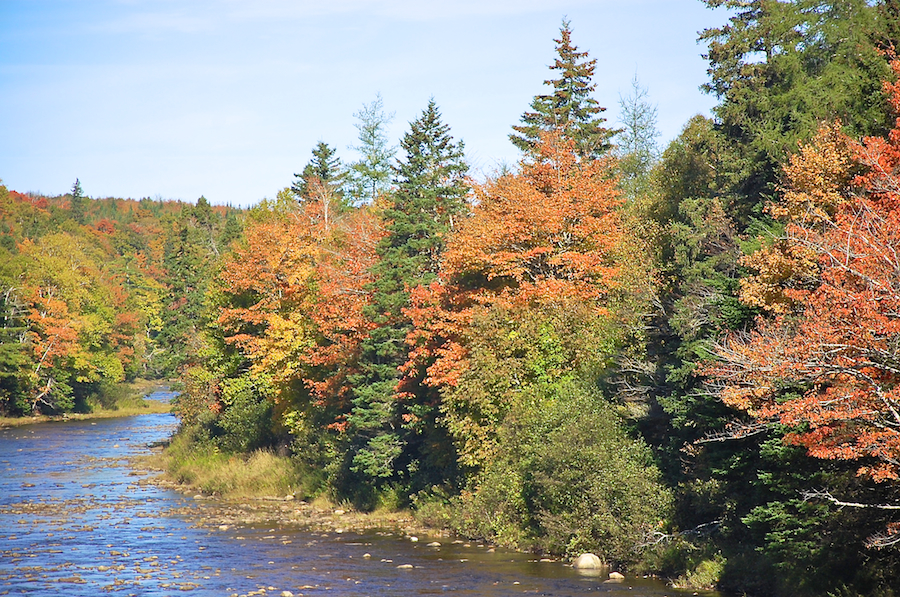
(174, 99)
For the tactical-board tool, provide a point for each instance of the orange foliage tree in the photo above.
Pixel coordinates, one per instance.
(828, 364)
(545, 246)
(293, 297)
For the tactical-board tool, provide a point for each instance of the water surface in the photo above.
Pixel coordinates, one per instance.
(75, 519)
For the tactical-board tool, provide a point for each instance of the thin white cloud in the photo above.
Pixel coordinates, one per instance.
(149, 22)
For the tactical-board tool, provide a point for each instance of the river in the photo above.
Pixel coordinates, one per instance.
(75, 519)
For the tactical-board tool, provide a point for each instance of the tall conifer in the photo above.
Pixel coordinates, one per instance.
(430, 195)
(76, 203)
(326, 167)
(370, 176)
(570, 107)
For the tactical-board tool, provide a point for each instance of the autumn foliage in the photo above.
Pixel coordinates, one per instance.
(827, 365)
(539, 284)
(550, 237)
(294, 293)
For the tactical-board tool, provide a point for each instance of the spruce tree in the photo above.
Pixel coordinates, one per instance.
(430, 195)
(570, 107)
(326, 167)
(780, 69)
(76, 203)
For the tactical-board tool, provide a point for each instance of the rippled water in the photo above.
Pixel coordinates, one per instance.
(76, 520)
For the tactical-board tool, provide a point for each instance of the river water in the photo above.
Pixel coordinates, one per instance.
(75, 519)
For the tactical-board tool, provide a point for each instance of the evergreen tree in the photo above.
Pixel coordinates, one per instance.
(431, 193)
(77, 202)
(570, 107)
(782, 68)
(371, 174)
(189, 260)
(325, 166)
(636, 141)
(232, 229)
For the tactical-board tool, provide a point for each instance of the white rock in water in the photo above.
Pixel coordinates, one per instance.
(587, 561)
(434, 544)
(413, 538)
(287, 594)
(405, 567)
(616, 576)
(367, 555)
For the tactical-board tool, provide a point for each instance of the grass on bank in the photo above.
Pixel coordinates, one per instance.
(202, 466)
(121, 400)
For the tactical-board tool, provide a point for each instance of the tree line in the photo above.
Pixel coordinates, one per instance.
(96, 292)
(683, 360)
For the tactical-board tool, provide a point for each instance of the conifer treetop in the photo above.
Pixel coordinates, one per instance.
(570, 108)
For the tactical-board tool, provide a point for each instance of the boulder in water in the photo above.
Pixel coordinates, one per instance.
(587, 561)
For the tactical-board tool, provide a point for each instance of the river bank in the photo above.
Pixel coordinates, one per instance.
(225, 494)
(80, 515)
(133, 403)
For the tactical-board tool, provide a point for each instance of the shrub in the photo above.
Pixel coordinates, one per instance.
(567, 478)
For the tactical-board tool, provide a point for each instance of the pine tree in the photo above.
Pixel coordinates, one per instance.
(570, 107)
(391, 422)
(76, 203)
(325, 167)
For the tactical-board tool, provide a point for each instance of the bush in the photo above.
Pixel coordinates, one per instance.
(246, 421)
(567, 479)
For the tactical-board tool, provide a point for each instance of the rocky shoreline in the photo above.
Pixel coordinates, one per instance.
(210, 511)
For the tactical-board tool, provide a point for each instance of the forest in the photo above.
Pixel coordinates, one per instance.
(683, 359)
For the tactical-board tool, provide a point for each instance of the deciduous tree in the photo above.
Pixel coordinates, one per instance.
(828, 367)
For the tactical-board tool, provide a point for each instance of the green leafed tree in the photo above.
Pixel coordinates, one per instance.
(569, 107)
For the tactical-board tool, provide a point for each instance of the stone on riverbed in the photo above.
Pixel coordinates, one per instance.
(587, 561)
(616, 576)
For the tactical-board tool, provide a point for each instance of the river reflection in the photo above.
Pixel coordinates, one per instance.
(75, 520)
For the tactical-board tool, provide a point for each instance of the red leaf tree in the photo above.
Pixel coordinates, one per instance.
(829, 367)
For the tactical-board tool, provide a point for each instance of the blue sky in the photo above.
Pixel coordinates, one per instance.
(226, 98)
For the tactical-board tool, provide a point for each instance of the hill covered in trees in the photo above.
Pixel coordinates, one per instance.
(683, 359)
(97, 292)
